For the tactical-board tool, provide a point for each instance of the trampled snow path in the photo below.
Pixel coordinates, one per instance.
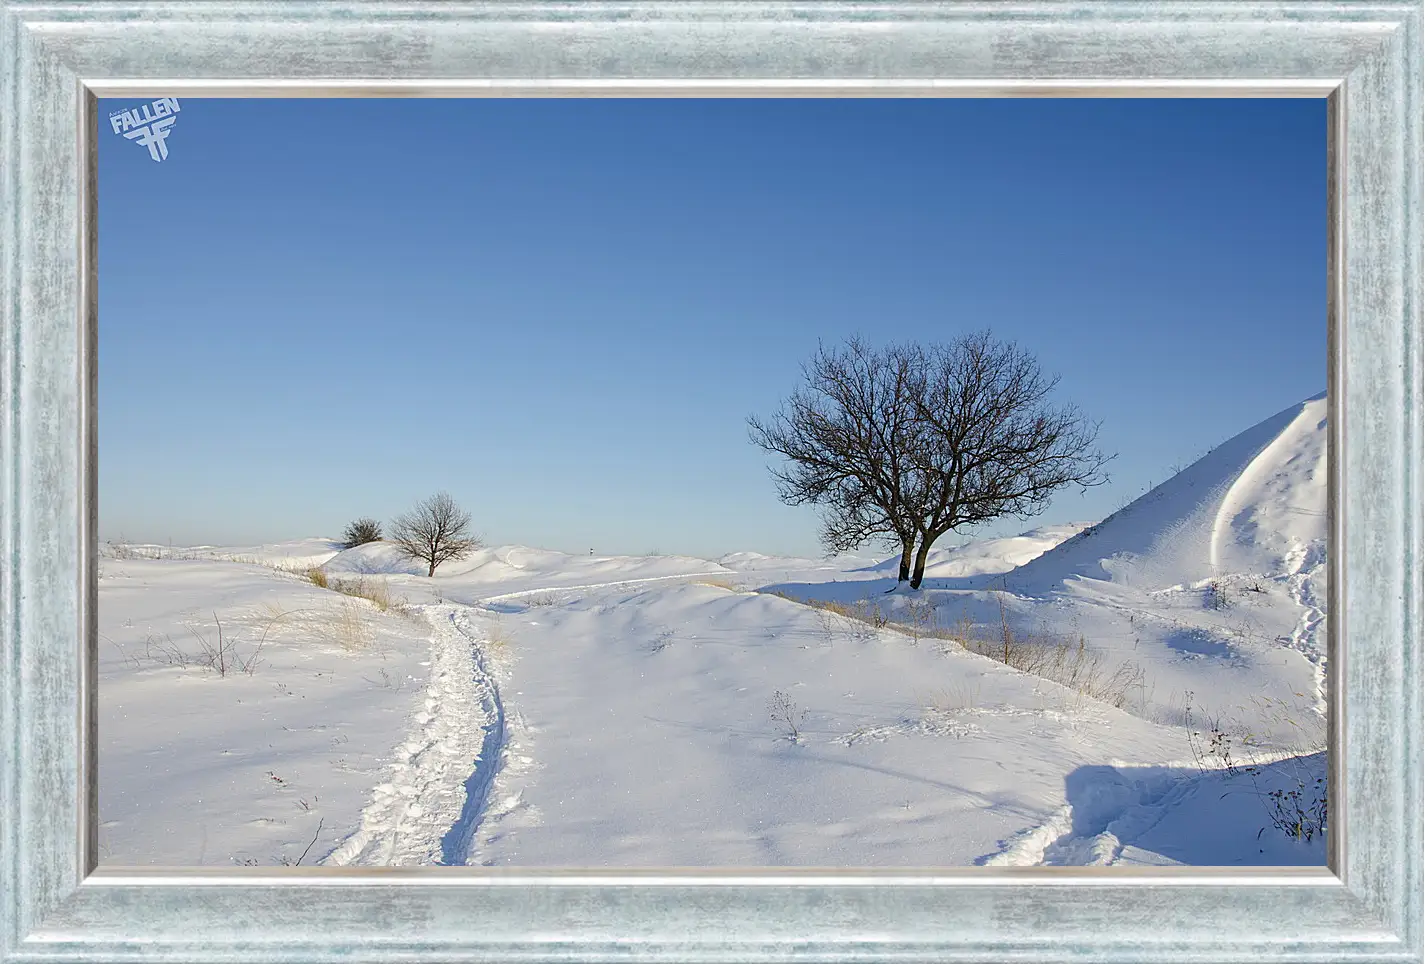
(428, 809)
(1306, 565)
(455, 845)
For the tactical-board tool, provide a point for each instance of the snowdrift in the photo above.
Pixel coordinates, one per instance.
(293, 555)
(989, 556)
(1254, 505)
(511, 570)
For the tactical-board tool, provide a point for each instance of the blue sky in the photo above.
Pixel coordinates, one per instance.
(562, 311)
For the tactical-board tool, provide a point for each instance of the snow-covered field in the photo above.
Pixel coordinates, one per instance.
(531, 707)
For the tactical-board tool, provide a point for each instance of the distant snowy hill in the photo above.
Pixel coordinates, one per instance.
(295, 554)
(510, 570)
(990, 556)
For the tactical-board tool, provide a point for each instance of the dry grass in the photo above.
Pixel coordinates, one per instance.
(958, 697)
(497, 638)
(861, 620)
(864, 620)
(1061, 659)
(375, 591)
(718, 584)
(219, 650)
(1065, 660)
(347, 626)
(318, 577)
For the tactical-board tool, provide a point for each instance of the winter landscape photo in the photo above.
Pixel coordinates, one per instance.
(873, 483)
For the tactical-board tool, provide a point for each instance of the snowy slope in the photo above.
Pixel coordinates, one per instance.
(510, 570)
(989, 556)
(534, 707)
(1254, 504)
(271, 751)
(296, 555)
(1214, 581)
(640, 735)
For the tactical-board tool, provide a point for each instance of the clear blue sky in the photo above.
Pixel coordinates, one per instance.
(562, 311)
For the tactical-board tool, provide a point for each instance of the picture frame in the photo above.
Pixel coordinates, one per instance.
(59, 56)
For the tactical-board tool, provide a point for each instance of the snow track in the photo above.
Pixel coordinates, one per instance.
(1307, 565)
(455, 845)
(427, 810)
(1112, 809)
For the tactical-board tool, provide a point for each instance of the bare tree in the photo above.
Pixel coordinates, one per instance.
(990, 442)
(907, 443)
(434, 531)
(847, 439)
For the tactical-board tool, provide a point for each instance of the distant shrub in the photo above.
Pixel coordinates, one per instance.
(360, 532)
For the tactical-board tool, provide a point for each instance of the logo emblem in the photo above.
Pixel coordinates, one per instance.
(148, 124)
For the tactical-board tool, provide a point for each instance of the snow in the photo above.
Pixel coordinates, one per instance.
(528, 707)
(295, 556)
(197, 767)
(989, 556)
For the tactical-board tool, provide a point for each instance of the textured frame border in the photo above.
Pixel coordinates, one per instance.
(59, 56)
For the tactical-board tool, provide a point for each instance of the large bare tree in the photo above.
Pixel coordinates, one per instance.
(991, 442)
(435, 530)
(907, 443)
(847, 438)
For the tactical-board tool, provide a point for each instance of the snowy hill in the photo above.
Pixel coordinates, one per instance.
(989, 556)
(1254, 505)
(295, 555)
(1214, 580)
(513, 570)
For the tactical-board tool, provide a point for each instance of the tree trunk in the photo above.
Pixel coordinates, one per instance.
(920, 555)
(431, 574)
(907, 547)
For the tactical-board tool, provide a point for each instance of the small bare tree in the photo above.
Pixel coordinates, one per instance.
(435, 530)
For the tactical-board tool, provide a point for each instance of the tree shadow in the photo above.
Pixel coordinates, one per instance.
(1243, 816)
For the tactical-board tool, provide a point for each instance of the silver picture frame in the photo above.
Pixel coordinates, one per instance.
(1363, 56)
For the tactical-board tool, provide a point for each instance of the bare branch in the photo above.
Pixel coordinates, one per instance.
(910, 442)
(434, 531)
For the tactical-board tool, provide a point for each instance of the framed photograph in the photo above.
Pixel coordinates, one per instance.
(711, 481)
